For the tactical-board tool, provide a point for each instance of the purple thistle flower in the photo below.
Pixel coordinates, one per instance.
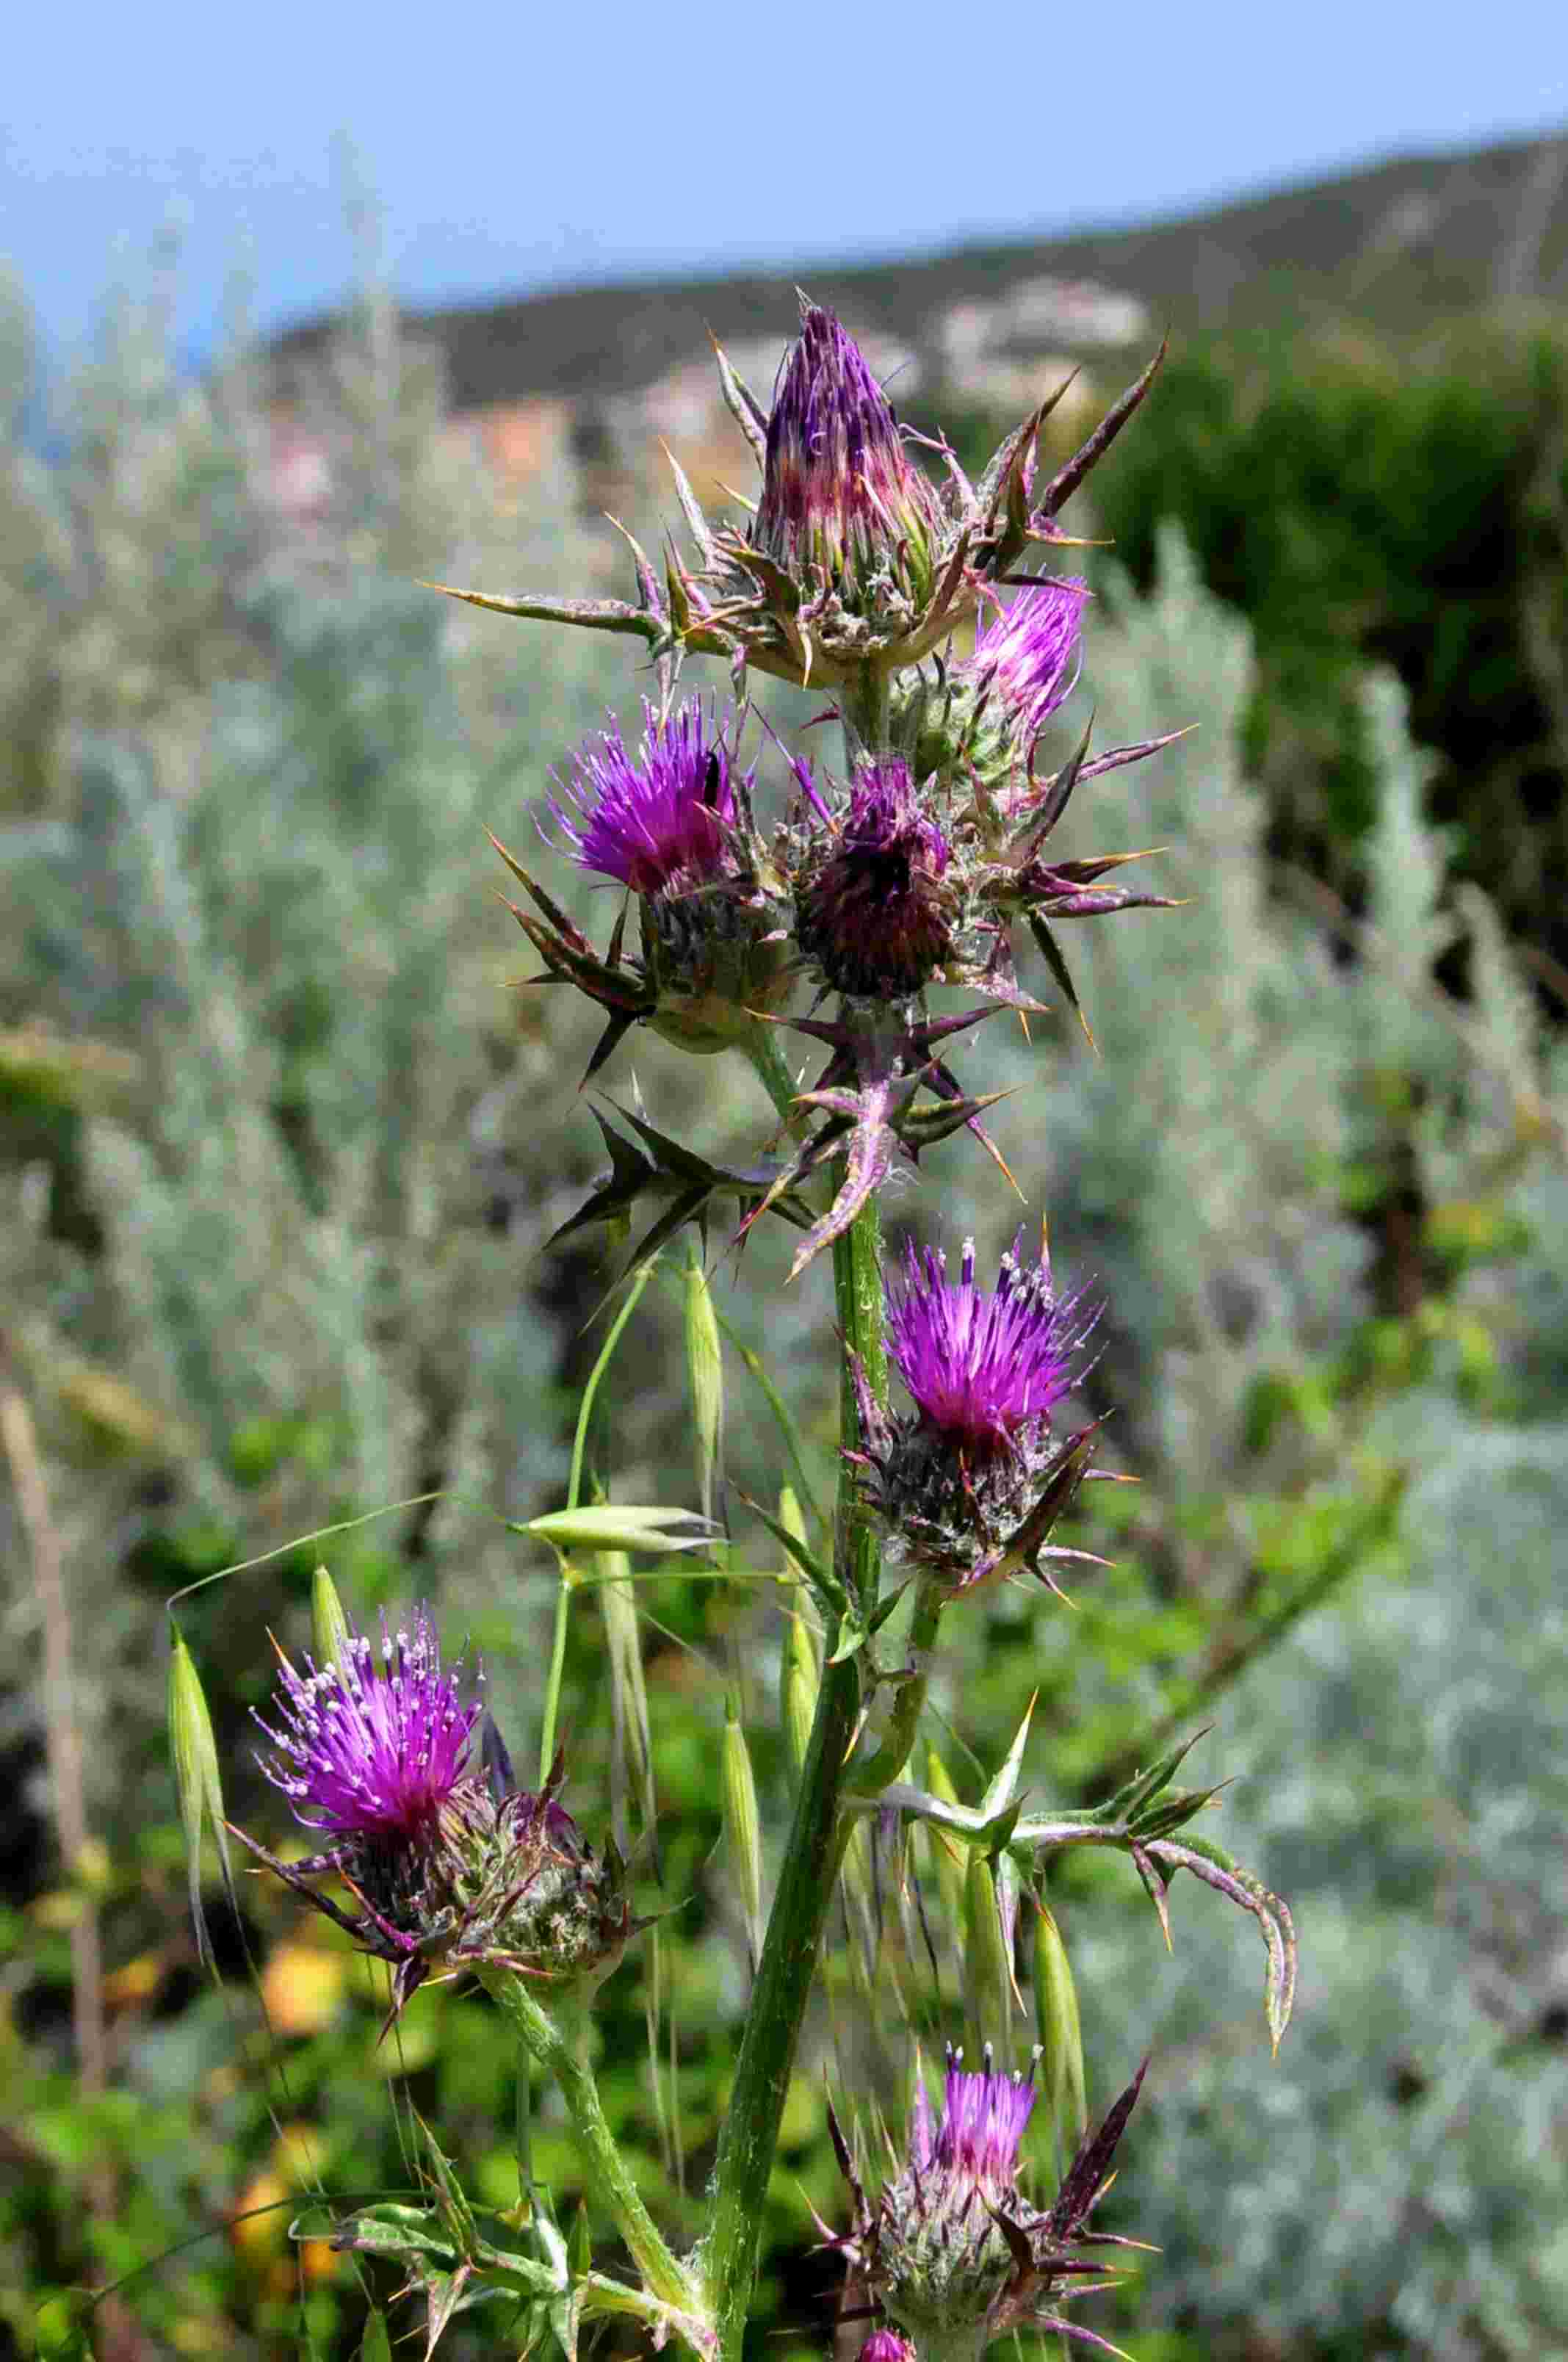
(1026, 656)
(873, 912)
(952, 2251)
(983, 1368)
(983, 2121)
(979, 719)
(972, 1484)
(887, 2345)
(839, 487)
(656, 822)
(372, 1750)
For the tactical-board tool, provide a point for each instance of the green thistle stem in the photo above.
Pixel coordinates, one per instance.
(750, 2136)
(772, 1071)
(605, 2171)
(869, 1778)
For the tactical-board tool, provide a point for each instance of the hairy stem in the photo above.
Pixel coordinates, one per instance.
(608, 2179)
(750, 2135)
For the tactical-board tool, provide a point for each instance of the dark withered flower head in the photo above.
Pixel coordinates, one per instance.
(839, 489)
(654, 823)
(448, 1866)
(973, 1482)
(873, 913)
(953, 2252)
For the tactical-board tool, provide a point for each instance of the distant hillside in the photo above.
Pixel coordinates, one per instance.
(1395, 246)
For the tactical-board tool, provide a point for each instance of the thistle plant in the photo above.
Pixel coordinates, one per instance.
(755, 898)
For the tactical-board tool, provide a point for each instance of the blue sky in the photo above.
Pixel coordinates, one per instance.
(513, 146)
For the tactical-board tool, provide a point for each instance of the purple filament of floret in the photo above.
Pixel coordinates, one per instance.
(656, 820)
(1027, 653)
(983, 2119)
(983, 1366)
(371, 1749)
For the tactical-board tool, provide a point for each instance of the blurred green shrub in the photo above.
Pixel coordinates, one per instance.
(1409, 509)
(1364, 505)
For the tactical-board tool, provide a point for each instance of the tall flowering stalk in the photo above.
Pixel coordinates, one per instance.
(922, 860)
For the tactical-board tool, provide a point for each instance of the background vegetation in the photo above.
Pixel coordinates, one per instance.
(279, 1141)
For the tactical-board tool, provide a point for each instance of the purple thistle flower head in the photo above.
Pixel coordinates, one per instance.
(369, 1748)
(972, 1484)
(873, 912)
(983, 2121)
(980, 719)
(985, 1369)
(838, 487)
(656, 821)
(1026, 654)
(887, 2345)
(952, 2251)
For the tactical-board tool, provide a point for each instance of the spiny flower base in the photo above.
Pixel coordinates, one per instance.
(953, 2252)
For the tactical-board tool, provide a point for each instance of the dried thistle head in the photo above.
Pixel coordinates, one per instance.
(874, 911)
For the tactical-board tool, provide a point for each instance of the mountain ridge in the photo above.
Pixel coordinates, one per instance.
(1396, 246)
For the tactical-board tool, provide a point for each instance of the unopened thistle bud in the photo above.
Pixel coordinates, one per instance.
(874, 911)
(973, 1482)
(743, 1826)
(953, 2252)
(843, 506)
(855, 562)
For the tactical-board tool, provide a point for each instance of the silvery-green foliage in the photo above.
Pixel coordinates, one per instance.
(249, 854)
(1402, 1778)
